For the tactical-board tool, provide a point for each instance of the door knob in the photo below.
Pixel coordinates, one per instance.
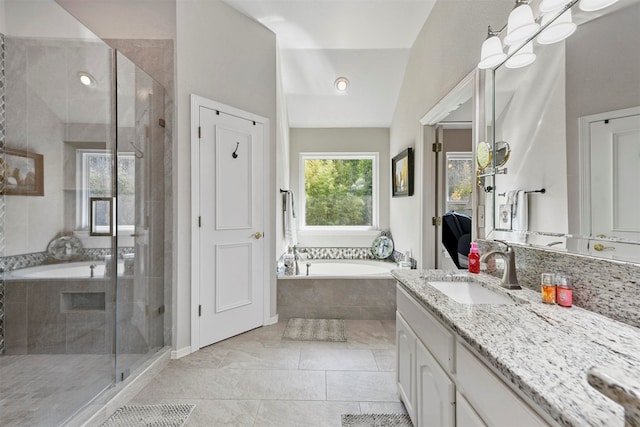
(257, 235)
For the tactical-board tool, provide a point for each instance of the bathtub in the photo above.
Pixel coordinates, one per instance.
(339, 289)
(61, 271)
(335, 268)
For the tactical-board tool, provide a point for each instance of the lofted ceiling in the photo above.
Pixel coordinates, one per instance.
(367, 41)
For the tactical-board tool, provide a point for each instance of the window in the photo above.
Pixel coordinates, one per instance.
(459, 181)
(340, 190)
(94, 171)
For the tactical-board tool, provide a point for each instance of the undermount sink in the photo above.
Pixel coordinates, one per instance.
(471, 293)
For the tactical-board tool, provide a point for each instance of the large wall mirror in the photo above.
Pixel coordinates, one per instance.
(572, 121)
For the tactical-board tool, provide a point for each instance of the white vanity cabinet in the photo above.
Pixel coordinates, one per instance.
(442, 383)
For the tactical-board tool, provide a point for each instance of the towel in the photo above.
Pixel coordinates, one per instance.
(520, 219)
(289, 217)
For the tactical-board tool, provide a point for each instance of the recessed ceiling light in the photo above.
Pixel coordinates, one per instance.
(86, 79)
(341, 84)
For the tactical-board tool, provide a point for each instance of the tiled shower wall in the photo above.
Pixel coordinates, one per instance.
(607, 287)
(2, 134)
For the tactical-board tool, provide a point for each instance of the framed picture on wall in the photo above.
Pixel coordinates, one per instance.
(402, 174)
(21, 173)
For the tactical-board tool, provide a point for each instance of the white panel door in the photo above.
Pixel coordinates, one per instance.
(615, 174)
(231, 281)
(435, 391)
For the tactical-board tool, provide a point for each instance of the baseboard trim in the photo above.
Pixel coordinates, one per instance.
(272, 321)
(184, 351)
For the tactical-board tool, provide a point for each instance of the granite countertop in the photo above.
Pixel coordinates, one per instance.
(545, 350)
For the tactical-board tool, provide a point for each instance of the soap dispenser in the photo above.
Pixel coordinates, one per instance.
(474, 258)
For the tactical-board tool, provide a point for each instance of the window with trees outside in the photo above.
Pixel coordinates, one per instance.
(94, 175)
(459, 181)
(340, 190)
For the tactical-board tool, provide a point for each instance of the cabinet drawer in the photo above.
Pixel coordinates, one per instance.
(493, 400)
(428, 329)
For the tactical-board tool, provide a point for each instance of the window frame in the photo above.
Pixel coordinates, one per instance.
(375, 197)
(82, 184)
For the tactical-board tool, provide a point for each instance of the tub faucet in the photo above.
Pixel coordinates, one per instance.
(297, 255)
(509, 277)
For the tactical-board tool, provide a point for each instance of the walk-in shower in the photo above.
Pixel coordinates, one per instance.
(82, 216)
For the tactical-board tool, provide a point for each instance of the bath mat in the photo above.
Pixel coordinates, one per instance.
(170, 415)
(376, 420)
(315, 330)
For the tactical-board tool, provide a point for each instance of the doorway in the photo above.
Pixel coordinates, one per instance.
(229, 280)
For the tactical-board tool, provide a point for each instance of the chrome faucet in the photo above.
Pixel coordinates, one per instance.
(297, 255)
(509, 277)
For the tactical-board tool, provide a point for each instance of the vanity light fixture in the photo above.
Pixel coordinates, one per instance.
(558, 30)
(593, 5)
(86, 79)
(492, 52)
(521, 24)
(341, 84)
(522, 57)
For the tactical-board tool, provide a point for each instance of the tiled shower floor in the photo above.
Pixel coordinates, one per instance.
(45, 390)
(258, 379)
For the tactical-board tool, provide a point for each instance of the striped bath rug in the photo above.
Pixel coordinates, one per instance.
(169, 415)
(376, 420)
(333, 330)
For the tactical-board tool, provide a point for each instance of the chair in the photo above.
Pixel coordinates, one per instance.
(456, 237)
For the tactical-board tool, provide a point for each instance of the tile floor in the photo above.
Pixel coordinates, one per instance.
(44, 390)
(258, 379)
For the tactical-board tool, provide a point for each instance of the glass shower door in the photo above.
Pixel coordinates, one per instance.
(140, 216)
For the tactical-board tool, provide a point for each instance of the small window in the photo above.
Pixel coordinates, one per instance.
(459, 181)
(94, 172)
(340, 190)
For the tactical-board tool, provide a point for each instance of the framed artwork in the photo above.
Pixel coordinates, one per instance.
(402, 174)
(21, 173)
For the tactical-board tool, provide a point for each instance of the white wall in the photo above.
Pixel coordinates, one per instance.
(131, 19)
(224, 56)
(445, 51)
(282, 159)
(343, 140)
(43, 19)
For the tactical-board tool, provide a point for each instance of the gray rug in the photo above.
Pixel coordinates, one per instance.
(172, 415)
(315, 330)
(376, 420)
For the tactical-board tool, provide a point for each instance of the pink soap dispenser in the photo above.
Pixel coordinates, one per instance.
(474, 258)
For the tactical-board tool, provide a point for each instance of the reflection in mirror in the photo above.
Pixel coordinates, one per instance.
(574, 129)
(503, 151)
(484, 154)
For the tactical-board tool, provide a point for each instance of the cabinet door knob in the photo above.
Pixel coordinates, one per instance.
(600, 247)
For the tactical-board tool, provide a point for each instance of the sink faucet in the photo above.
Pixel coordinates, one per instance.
(509, 277)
